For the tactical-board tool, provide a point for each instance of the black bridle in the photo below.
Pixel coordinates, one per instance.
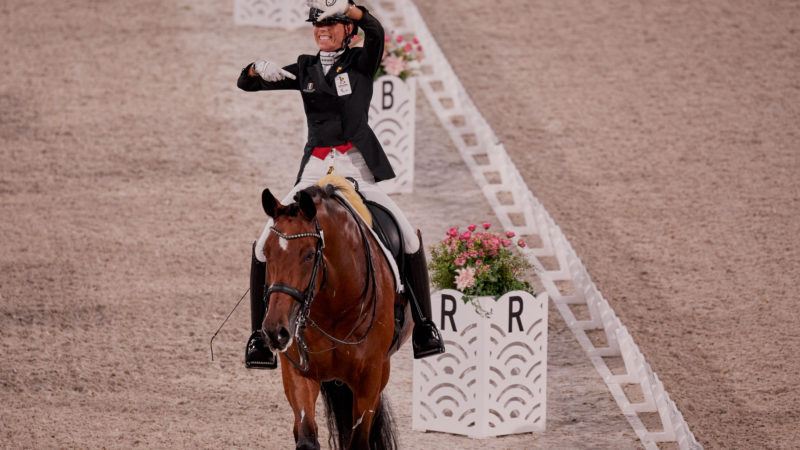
(305, 298)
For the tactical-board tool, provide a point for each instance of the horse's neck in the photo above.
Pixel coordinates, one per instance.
(346, 262)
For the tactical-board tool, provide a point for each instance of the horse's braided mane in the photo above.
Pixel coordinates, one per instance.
(332, 184)
(329, 186)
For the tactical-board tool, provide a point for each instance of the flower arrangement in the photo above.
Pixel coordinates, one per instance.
(479, 263)
(399, 55)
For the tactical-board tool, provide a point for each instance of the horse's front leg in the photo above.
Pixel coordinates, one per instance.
(302, 393)
(364, 409)
(366, 397)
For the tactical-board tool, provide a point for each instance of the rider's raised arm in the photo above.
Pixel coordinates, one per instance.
(250, 80)
(370, 59)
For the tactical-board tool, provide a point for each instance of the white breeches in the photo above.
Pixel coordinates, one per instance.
(351, 164)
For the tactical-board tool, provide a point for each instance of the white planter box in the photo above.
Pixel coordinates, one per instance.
(391, 115)
(285, 14)
(492, 380)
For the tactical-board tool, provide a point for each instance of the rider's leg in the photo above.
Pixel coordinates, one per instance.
(257, 355)
(425, 339)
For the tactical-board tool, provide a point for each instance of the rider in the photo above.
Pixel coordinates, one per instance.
(336, 87)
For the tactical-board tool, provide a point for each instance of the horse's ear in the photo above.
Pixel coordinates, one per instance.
(307, 204)
(269, 202)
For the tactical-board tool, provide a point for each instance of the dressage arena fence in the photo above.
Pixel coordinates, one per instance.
(520, 211)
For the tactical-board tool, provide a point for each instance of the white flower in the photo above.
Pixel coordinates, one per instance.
(465, 278)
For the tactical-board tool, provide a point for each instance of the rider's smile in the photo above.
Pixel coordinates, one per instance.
(331, 37)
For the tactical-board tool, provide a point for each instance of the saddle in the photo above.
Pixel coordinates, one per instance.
(385, 226)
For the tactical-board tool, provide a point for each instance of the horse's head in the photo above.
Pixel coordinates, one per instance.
(294, 264)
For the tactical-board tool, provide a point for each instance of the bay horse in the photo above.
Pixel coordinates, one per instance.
(332, 297)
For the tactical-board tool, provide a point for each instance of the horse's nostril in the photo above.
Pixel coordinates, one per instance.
(283, 336)
(278, 339)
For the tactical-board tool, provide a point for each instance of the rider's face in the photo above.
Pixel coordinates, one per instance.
(330, 35)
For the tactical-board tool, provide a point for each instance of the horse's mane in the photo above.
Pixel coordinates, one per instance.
(338, 184)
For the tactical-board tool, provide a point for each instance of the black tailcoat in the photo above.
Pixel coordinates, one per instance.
(335, 119)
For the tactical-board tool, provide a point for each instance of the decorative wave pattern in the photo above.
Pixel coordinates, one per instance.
(270, 13)
(493, 379)
(391, 116)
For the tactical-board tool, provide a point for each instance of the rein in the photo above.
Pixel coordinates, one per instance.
(306, 297)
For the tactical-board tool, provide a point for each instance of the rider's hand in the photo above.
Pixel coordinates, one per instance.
(329, 7)
(270, 71)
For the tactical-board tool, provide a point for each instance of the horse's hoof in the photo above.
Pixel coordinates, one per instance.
(307, 443)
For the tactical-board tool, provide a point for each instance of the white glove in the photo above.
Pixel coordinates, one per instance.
(270, 71)
(329, 7)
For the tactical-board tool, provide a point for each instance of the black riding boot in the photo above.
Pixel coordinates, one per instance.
(425, 339)
(258, 355)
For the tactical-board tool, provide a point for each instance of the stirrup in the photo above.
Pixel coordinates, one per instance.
(257, 355)
(426, 340)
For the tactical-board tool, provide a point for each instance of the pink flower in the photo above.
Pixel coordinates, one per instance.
(505, 242)
(486, 225)
(394, 65)
(460, 261)
(466, 235)
(386, 38)
(408, 47)
(510, 234)
(452, 232)
(521, 243)
(465, 278)
(415, 41)
(479, 262)
(399, 39)
(471, 227)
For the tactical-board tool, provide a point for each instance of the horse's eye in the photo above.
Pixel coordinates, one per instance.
(309, 256)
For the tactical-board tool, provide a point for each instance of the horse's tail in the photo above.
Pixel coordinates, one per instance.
(339, 411)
